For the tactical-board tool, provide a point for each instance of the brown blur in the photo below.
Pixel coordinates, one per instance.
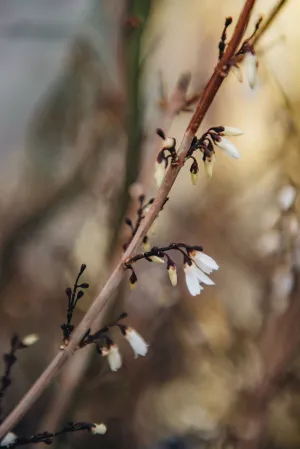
(222, 368)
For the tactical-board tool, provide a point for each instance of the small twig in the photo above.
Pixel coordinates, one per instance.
(222, 43)
(268, 22)
(116, 276)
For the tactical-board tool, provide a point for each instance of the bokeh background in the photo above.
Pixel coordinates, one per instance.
(83, 86)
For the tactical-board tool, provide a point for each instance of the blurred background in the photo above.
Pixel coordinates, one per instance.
(83, 86)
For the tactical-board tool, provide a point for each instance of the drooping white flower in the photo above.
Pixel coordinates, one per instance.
(286, 197)
(9, 438)
(209, 165)
(113, 357)
(156, 259)
(193, 277)
(159, 173)
(30, 339)
(203, 261)
(231, 131)
(99, 429)
(228, 148)
(136, 341)
(172, 274)
(251, 68)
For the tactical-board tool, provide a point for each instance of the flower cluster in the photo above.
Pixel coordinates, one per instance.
(107, 347)
(214, 136)
(196, 265)
(11, 440)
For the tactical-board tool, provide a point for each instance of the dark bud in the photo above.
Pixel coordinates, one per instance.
(197, 248)
(79, 295)
(69, 292)
(151, 201)
(123, 315)
(161, 157)
(228, 21)
(82, 268)
(84, 285)
(141, 198)
(133, 279)
(161, 133)
(128, 222)
(194, 167)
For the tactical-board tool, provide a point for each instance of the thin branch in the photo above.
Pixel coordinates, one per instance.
(115, 278)
(266, 24)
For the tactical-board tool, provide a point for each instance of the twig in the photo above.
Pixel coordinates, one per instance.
(115, 278)
(266, 24)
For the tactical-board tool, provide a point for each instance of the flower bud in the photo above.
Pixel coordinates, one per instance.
(172, 274)
(98, 429)
(251, 68)
(209, 165)
(231, 131)
(30, 339)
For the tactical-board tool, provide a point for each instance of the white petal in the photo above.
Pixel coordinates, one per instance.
(228, 147)
(138, 344)
(159, 173)
(99, 429)
(230, 131)
(286, 197)
(30, 339)
(191, 279)
(204, 261)
(173, 275)
(251, 68)
(114, 358)
(9, 438)
(204, 278)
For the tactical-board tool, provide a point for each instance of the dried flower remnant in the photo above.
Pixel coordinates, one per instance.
(196, 264)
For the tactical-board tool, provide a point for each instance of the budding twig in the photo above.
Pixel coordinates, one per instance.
(116, 276)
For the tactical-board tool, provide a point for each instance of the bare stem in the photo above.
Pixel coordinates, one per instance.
(116, 276)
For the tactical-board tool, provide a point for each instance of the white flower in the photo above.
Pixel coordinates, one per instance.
(203, 261)
(228, 147)
(230, 131)
(209, 165)
(30, 339)
(159, 173)
(251, 68)
(98, 429)
(113, 357)
(193, 277)
(9, 438)
(138, 344)
(157, 259)
(237, 72)
(286, 197)
(172, 274)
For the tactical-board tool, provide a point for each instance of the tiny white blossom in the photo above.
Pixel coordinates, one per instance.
(9, 438)
(136, 341)
(99, 429)
(203, 261)
(231, 131)
(251, 68)
(157, 259)
(113, 357)
(209, 165)
(159, 173)
(30, 339)
(193, 277)
(228, 148)
(169, 142)
(172, 275)
(286, 197)
(237, 72)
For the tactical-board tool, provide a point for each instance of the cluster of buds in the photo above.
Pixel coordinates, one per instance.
(11, 440)
(106, 347)
(167, 154)
(196, 265)
(142, 211)
(206, 143)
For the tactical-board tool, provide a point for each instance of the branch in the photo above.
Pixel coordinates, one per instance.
(115, 278)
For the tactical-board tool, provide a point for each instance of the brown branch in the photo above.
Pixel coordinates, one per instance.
(115, 278)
